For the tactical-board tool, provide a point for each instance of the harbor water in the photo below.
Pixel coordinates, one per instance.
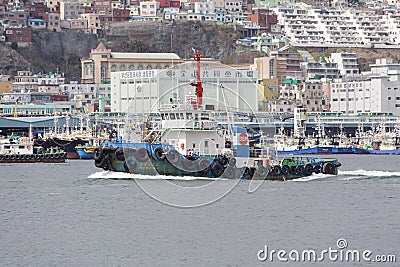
(73, 214)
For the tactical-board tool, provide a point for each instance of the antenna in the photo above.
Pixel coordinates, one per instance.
(199, 87)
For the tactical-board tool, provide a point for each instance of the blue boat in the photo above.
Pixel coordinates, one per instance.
(86, 151)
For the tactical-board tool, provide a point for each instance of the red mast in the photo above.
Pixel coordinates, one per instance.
(198, 85)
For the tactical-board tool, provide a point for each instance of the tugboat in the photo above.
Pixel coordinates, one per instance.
(188, 142)
(19, 150)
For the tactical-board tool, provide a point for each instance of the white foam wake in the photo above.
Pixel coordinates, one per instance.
(318, 176)
(124, 175)
(362, 174)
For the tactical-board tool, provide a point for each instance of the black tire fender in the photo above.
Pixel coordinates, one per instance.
(159, 154)
(217, 169)
(142, 155)
(173, 156)
(277, 170)
(308, 170)
(285, 170)
(98, 153)
(300, 170)
(119, 153)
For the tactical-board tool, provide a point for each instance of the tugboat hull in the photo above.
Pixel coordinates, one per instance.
(152, 160)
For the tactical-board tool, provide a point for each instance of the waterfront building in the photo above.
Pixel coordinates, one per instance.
(149, 90)
(34, 110)
(102, 62)
(379, 91)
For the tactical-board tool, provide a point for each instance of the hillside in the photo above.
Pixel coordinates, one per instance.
(63, 50)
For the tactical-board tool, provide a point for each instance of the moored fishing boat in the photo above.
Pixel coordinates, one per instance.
(86, 151)
(19, 150)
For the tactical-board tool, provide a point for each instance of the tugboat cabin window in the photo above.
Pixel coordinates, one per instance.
(162, 116)
(189, 116)
(206, 143)
(6, 147)
(182, 116)
(21, 147)
(194, 145)
(172, 116)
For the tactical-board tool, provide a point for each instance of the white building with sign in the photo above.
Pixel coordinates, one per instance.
(149, 90)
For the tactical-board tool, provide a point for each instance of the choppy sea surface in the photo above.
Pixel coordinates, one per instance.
(74, 214)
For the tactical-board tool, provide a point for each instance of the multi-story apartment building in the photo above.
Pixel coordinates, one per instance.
(53, 6)
(36, 10)
(71, 10)
(307, 26)
(53, 21)
(74, 87)
(16, 18)
(262, 43)
(320, 70)
(49, 83)
(263, 17)
(149, 8)
(93, 22)
(394, 26)
(20, 35)
(218, 4)
(347, 63)
(234, 6)
(24, 82)
(204, 8)
(287, 64)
